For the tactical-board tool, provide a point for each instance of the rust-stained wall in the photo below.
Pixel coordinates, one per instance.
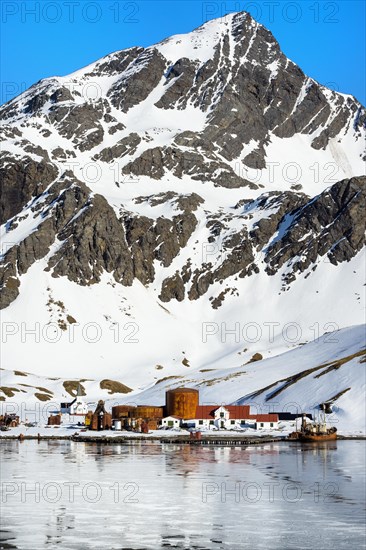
(103, 423)
(152, 424)
(182, 402)
(54, 420)
(123, 411)
(141, 411)
(146, 411)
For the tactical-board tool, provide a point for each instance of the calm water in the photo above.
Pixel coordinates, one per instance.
(146, 496)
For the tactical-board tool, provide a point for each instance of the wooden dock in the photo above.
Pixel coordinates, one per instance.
(228, 441)
(174, 440)
(185, 440)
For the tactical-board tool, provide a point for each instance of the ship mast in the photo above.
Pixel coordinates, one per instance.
(324, 419)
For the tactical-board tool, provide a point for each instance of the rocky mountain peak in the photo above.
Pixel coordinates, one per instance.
(183, 175)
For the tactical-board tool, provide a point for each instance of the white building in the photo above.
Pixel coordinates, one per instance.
(77, 407)
(266, 422)
(222, 418)
(171, 421)
(231, 417)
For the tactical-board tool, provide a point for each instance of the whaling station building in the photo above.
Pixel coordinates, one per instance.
(181, 408)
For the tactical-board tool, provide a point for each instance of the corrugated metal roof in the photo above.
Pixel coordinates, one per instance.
(267, 418)
(236, 412)
(206, 412)
(239, 411)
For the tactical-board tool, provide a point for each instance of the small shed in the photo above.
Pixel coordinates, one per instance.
(171, 421)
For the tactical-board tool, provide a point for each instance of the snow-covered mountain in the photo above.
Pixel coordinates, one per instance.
(177, 208)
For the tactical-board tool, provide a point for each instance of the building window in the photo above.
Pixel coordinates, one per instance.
(271, 424)
(200, 422)
(222, 415)
(261, 424)
(211, 421)
(232, 421)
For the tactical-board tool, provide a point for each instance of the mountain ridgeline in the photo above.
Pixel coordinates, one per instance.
(190, 141)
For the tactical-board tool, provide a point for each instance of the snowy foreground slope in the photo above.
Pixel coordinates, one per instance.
(178, 208)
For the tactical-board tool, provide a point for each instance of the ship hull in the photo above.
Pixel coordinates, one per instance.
(301, 436)
(317, 437)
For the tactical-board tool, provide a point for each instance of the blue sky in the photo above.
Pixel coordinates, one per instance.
(45, 38)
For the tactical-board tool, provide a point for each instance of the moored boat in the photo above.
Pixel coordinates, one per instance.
(329, 435)
(314, 432)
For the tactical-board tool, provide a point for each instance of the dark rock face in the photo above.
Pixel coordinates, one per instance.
(153, 163)
(172, 288)
(281, 203)
(162, 241)
(94, 239)
(93, 243)
(333, 225)
(35, 103)
(126, 145)
(297, 233)
(9, 288)
(79, 123)
(61, 95)
(53, 208)
(180, 79)
(143, 74)
(20, 181)
(187, 203)
(237, 260)
(115, 63)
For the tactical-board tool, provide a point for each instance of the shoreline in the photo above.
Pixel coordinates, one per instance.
(183, 439)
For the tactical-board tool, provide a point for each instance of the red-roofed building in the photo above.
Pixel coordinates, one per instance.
(206, 412)
(216, 417)
(239, 411)
(266, 421)
(221, 417)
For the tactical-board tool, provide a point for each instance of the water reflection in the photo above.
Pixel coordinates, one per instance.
(146, 495)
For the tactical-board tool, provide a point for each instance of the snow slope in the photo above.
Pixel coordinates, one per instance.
(329, 369)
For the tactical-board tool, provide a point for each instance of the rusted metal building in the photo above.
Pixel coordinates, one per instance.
(135, 417)
(101, 419)
(54, 420)
(147, 411)
(182, 402)
(123, 411)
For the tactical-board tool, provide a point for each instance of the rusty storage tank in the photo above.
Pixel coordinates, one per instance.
(54, 420)
(152, 423)
(147, 411)
(182, 402)
(123, 411)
